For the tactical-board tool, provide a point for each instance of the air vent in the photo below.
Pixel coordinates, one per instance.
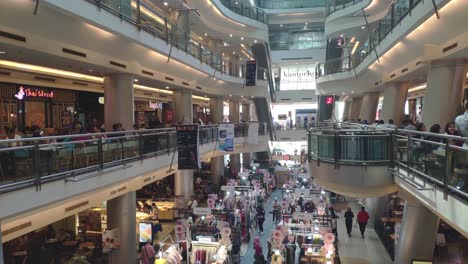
(285, 99)
(147, 179)
(306, 98)
(199, 88)
(80, 83)
(285, 138)
(147, 73)
(47, 79)
(5, 73)
(78, 205)
(118, 64)
(150, 94)
(393, 75)
(404, 70)
(12, 36)
(162, 96)
(74, 52)
(454, 45)
(303, 58)
(16, 228)
(122, 189)
(169, 79)
(419, 62)
(186, 83)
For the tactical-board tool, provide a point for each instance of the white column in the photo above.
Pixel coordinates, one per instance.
(234, 117)
(444, 92)
(346, 110)
(246, 112)
(118, 100)
(369, 105)
(183, 111)
(184, 183)
(393, 106)
(121, 213)
(375, 207)
(355, 108)
(217, 163)
(417, 233)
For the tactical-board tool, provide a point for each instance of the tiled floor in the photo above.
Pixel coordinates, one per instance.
(354, 250)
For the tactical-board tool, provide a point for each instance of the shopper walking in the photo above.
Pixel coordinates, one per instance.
(276, 211)
(362, 219)
(260, 218)
(259, 258)
(148, 253)
(349, 215)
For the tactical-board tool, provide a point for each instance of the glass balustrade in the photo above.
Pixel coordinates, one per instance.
(29, 161)
(246, 10)
(140, 14)
(439, 159)
(397, 12)
(335, 5)
(289, 4)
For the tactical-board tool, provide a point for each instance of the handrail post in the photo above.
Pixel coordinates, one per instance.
(448, 167)
(36, 165)
(138, 21)
(335, 149)
(167, 30)
(409, 155)
(100, 154)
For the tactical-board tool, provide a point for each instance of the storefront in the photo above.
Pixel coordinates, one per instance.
(148, 113)
(25, 105)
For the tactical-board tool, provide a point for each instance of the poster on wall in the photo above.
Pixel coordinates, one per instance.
(145, 232)
(66, 119)
(253, 133)
(251, 73)
(226, 137)
(187, 145)
(111, 240)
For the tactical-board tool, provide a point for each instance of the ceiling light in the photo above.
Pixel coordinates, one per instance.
(230, 35)
(2, 52)
(255, 41)
(251, 96)
(237, 3)
(281, 25)
(341, 35)
(230, 95)
(233, 52)
(242, 38)
(135, 80)
(214, 78)
(342, 93)
(242, 96)
(352, 91)
(306, 23)
(90, 70)
(363, 27)
(225, 44)
(206, 34)
(167, 87)
(205, 95)
(165, 3)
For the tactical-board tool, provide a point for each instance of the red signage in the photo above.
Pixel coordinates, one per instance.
(169, 116)
(30, 92)
(329, 100)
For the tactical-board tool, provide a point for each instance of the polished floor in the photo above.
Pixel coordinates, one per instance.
(354, 250)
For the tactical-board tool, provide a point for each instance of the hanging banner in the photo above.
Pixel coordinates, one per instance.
(251, 73)
(226, 137)
(187, 146)
(253, 133)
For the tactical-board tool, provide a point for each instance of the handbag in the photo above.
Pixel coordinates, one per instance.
(152, 259)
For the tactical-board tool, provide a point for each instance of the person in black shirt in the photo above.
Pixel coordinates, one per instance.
(260, 218)
(349, 220)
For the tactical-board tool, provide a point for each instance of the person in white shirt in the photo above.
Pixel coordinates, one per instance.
(390, 124)
(461, 122)
(408, 125)
(11, 134)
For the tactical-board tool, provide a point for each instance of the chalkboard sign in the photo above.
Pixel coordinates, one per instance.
(251, 73)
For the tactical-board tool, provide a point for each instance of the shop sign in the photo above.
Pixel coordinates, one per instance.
(35, 93)
(227, 188)
(298, 74)
(201, 211)
(154, 105)
(329, 100)
(169, 116)
(302, 216)
(301, 191)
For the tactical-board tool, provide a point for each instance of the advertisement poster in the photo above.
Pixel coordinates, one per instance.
(111, 240)
(187, 145)
(253, 133)
(251, 73)
(66, 119)
(145, 232)
(226, 137)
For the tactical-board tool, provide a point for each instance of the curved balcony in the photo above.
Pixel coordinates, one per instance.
(147, 19)
(386, 25)
(246, 10)
(352, 161)
(290, 4)
(336, 5)
(35, 161)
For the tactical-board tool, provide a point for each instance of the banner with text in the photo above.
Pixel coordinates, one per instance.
(187, 147)
(226, 137)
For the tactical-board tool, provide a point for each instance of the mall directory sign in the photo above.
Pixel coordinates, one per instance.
(187, 147)
(251, 73)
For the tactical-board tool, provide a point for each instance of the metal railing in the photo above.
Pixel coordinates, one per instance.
(289, 4)
(335, 5)
(296, 45)
(441, 160)
(141, 15)
(397, 12)
(33, 161)
(246, 10)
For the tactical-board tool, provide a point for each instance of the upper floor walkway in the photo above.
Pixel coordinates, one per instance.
(366, 161)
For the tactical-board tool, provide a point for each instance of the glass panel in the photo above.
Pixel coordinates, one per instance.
(458, 178)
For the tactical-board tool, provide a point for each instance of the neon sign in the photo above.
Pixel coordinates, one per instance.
(329, 100)
(29, 92)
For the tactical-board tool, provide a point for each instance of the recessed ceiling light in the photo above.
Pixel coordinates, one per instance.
(306, 23)
(167, 87)
(165, 3)
(341, 35)
(206, 34)
(242, 38)
(363, 27)
(90, 70)
(230, 35)
(255, 41)
(233, 52)
(214, 78)
(251, 96)
(242, 96)
(2, 52)
(230, 95)
(136, 80)
(281, 25)
(205, 95)
(342, 93)
(352, 91)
